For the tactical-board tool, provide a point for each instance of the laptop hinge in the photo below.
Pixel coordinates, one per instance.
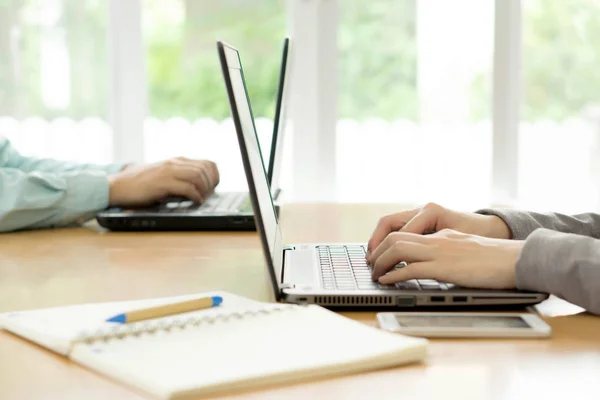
(287, 286)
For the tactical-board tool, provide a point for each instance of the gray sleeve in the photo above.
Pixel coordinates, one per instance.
(563, 264)
(523, 223)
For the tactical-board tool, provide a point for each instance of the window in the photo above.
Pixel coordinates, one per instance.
(188, 104)
(413, 98)
(53, 78)
(414, 101)
(559, 144)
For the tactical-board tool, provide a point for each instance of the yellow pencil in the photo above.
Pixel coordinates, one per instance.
(167, 309)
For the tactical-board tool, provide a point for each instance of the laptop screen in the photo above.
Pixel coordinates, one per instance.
(279, 123)
(260, 194)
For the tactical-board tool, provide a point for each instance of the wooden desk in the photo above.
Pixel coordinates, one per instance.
(60, 267)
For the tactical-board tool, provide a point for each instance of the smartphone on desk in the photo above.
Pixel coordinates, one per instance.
(465, 324)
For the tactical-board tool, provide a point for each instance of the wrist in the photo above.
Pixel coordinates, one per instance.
(515, 248)
(497, 228)
(112, 195)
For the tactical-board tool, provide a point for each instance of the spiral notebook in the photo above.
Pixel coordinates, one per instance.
(240, 345)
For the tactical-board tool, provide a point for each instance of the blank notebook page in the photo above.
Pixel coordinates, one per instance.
(281, 344)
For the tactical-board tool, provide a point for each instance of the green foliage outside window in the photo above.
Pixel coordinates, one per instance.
(377, 58)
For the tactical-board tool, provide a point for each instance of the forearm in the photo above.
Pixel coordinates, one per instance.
(42, 200)
(566, 265)
(523, 223)
(10, 158)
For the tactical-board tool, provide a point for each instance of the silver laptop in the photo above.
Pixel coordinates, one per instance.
(331, 275)
(220, 211)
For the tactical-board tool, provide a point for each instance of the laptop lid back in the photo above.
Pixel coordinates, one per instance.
(260, 194)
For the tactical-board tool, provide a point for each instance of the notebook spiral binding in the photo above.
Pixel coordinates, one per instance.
(138, 328)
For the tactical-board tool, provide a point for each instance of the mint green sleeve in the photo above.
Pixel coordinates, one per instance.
(45, 199)
(39, 193)
(10, 158)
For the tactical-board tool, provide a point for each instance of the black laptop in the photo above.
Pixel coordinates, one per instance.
(221, 211)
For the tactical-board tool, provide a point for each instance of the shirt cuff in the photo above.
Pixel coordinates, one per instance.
(88, 193)
(530, 264)
(549, 261)
(115, 168)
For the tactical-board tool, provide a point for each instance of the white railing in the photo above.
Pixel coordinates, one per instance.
(377, 161)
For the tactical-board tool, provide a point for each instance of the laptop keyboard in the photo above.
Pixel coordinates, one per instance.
(345, 268)
(222, 202)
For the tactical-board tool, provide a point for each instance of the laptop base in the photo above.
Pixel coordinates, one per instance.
(422, 300)
(178, 223)
(139, 222)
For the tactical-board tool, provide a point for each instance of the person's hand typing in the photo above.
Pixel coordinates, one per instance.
(447, 256)
(141, 185)
(433, 218)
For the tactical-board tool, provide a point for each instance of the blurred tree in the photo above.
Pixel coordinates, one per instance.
(183, 69)
(559, 61)
(378, 59)
(21, 60)
(560, 58)
(8, 78)
(85, 23)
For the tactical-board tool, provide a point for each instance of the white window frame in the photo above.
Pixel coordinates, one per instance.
(313, 26)
(506, 100)
(128, 85)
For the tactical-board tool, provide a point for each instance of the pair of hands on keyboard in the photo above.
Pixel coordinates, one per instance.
(145, 184)
(467, 249)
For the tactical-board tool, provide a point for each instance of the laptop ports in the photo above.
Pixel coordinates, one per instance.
(405, 301)
(437, 299)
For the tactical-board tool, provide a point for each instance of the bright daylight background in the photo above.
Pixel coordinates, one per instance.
(414, 100)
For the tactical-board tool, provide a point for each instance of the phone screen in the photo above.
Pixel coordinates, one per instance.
(460, 321)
